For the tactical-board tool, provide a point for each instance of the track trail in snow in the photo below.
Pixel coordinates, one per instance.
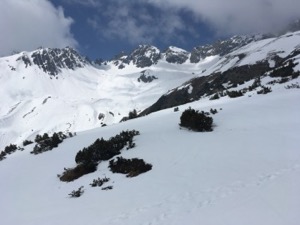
(194, 202)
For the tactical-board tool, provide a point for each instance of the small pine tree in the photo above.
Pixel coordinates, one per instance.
(132, 114)
(77, 193)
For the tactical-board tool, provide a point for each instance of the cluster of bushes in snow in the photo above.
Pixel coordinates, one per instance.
(43, 143)
(238, 93)
(99, 182)
(293, 86)
(9, 149)
(47, 143)
(88, 158)
(106, 149)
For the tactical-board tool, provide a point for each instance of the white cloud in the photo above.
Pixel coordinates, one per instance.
(133, 21)
(28, 24)
(89, 3)
(239, 16)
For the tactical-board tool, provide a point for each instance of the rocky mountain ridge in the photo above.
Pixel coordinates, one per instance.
(147, 55)
(53, 60)
(86, 94)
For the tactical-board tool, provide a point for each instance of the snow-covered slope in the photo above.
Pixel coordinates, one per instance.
(32, 101)
(58, 90)
(244, 172)
(276, 60)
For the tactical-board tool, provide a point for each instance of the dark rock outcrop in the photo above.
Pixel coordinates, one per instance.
(146, 78)
(221, 47)
(144, 56)
(52, 60)
(175, 55)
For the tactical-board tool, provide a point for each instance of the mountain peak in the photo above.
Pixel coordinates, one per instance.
(53, 60)
(176, 55)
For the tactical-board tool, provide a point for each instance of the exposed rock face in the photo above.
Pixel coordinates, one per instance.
(142, 56)
(146, 77)
(176, 55)
(120, 60)
(145, 55)
(221, 47)
(25, 59)
(53, 60)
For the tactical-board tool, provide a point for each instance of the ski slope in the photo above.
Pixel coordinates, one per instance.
(244, 172)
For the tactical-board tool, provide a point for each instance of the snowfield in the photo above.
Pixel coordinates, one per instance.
(245, 172)
(33, 102)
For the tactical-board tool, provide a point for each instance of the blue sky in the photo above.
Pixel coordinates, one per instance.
(107, 28)
(103, 28)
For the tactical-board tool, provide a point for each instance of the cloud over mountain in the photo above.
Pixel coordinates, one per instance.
(239, 16)
(26, 25)
(147, 21)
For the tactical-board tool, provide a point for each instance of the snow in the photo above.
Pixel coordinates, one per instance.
(176, 49)
(77, 97)
(283, 45)
(272, 63)
(190, 90)
(244, 172)
(255, 52)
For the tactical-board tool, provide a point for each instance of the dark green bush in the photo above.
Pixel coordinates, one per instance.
(77, 193)
(71, 174)
(131, 167)
(27, 142)
(213, 111)
(10, 149)
(234, 94)
(195, 120)
(131, 115)
(2, 155)
(99, 182)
